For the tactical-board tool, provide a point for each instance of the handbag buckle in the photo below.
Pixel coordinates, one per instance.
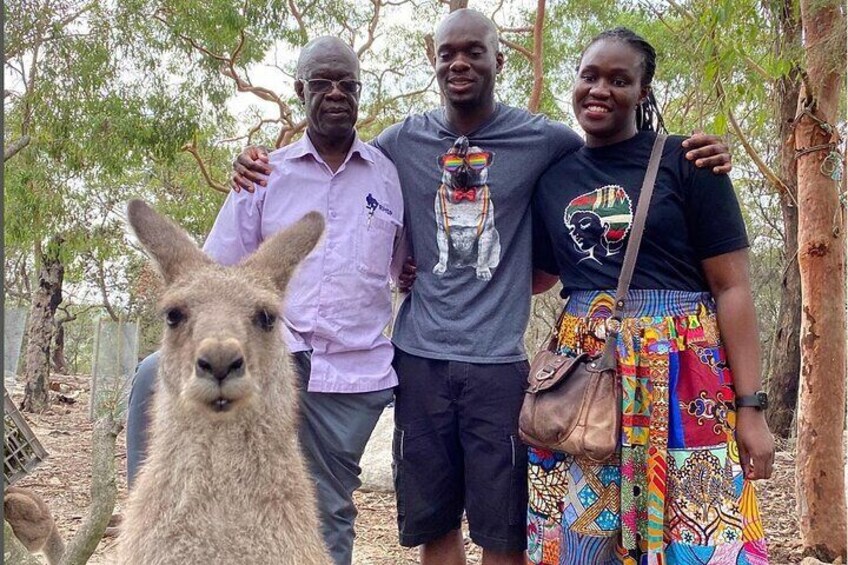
(610, 326)
(545, 373)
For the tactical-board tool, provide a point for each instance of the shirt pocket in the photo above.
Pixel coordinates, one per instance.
(374, 245)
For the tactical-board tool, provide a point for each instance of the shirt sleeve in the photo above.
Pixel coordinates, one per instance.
(402, 248)
(237, 231)
(543, 249)
(714, 215)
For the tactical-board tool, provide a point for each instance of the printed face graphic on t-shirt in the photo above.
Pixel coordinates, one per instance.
(465, 214)
(598, 222)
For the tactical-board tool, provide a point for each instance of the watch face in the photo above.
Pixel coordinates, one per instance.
(763, 398)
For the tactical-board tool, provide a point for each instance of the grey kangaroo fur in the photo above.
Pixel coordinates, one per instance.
(225, 481)
(33, 524)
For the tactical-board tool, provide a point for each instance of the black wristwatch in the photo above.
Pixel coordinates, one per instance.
(758, 400)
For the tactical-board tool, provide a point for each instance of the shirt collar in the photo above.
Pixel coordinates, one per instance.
(304, 146)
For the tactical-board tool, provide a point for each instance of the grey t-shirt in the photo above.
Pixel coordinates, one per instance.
(467, 202)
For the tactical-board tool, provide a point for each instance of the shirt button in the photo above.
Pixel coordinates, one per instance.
(333, 215)
(326, 278)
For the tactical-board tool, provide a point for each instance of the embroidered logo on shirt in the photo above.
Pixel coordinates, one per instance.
(372, 205)
(598, 222)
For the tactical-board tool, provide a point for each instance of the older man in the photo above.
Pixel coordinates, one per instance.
(339, 301)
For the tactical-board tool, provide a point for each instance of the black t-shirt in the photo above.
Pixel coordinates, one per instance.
(584, 206)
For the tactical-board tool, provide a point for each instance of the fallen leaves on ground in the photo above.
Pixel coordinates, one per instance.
(64, 479)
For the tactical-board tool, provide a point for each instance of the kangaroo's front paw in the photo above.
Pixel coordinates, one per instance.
(484, 274)
(440, 269)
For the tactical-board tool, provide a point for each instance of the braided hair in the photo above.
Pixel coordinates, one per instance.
(648, 117)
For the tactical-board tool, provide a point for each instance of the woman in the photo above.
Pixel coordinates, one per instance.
(678, 492)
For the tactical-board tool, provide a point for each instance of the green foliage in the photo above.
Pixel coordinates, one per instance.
(110, 92)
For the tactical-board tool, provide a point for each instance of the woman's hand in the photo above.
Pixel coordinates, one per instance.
(756, 443)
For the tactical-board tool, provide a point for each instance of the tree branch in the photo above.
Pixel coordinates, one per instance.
(520, 48)
(372, 29)
(764, 169)
(497, 9)
(192, 148)
(104, 491)
(11, 150)
(101, 283)
(750, 62)
(286, 134)
(372, 115)
(538, 46)
(298, 17)
(249, 135)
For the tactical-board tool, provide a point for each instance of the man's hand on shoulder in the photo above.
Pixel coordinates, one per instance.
(708, 150)
(251, 166)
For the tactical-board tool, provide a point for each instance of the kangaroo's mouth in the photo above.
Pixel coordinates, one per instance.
(221, 404)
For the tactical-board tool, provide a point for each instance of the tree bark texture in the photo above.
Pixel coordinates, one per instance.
(538, 58)
(104, 492)
(821, 257)
(60, 364)
(785, 356)
(41, 327)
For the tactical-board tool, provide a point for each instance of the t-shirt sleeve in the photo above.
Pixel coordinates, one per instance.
(543, 249)
(387, 140)
(713, 210)
(563, 141)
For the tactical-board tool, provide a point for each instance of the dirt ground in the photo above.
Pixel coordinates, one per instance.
(64, 481)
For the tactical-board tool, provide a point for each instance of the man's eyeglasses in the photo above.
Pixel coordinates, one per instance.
(323, 86)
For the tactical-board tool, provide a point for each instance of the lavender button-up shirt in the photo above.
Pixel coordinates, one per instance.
(339, 301)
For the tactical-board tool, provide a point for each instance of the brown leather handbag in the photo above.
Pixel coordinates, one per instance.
(573, 404)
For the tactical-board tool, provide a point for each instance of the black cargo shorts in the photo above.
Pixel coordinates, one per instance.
(456, 449)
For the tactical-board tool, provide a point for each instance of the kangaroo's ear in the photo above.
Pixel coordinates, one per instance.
(279, 256)
(172, 250)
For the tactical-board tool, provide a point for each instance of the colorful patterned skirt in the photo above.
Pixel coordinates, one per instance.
(674, 494)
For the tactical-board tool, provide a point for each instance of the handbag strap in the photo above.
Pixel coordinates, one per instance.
(607, 360)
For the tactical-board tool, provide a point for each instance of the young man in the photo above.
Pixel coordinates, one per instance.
(468, 171)
(339, 301)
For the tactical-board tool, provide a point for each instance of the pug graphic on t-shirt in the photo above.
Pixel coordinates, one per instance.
(465, 215)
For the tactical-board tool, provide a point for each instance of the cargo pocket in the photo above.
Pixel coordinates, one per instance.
(397, 471)
(518, 482)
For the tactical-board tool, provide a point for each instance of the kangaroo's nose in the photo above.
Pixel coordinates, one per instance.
(219, 360)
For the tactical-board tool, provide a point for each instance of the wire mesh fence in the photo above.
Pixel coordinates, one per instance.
(115, 359)
(14, 326)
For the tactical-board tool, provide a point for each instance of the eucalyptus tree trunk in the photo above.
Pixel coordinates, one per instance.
(60, 363)
(821, 256)
(41, 326)
(785, 355)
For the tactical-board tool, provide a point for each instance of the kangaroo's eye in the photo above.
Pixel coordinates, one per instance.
(264, 320)
(174, 317)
